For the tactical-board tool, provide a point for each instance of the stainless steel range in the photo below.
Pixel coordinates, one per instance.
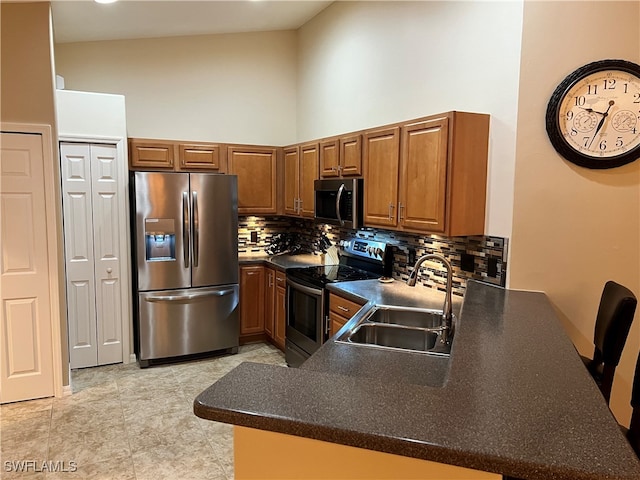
(308, 300)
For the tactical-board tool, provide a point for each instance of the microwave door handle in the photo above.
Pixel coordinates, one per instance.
(196, 228)
(338, 199)
(185, 228)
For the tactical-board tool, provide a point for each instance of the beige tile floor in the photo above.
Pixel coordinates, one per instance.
(123, 422)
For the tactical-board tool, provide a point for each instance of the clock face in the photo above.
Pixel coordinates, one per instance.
(593, 118)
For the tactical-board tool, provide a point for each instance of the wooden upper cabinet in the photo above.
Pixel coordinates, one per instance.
(351, 156)
(436, 183)
(423, 176)
(256, 170)
(300, 171)
(145, 154)
(291, 180)
(329, 155)
(151, 154)
(201, 156)
(341, 157)
(381, 155)
(309, 165)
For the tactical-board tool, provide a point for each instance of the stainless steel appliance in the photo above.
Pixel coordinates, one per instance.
(339, 202)
(308, 301)
(186, 249)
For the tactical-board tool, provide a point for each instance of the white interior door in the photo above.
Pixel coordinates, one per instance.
(26, 365)
(106, 241)
(92, 240)
(79, 256)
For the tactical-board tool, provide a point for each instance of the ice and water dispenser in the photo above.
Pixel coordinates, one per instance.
(160, 239)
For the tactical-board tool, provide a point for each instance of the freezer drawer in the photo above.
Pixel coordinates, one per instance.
(184, 322)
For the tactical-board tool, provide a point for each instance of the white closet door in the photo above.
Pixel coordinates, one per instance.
(79, 255)
(106, 241)
(26, 349)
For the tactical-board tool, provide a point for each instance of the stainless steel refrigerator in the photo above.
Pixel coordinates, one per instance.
(186, 249)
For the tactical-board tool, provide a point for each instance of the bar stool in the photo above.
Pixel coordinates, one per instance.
(615, 314)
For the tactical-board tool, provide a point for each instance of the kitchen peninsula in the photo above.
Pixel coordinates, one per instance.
(513, 399)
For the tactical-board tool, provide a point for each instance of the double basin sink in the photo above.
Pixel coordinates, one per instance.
(401, 328)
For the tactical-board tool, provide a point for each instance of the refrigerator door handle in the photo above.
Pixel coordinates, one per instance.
(188, 297)
(196, 228)
(185, 228)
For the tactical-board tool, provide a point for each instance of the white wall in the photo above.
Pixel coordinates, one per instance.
(363, 64)
(237, 88)
(90, 114)
(575, 228)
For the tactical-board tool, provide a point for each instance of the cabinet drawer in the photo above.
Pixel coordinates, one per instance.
(343, 307)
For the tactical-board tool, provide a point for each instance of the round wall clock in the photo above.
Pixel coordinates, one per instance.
(593, 116)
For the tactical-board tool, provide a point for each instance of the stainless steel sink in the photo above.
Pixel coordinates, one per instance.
(406, 316)
(400, 328)
(394, 336)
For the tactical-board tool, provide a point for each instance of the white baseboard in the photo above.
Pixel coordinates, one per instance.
(66, 390)
(132, 358)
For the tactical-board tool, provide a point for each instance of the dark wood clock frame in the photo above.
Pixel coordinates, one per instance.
(552, 122)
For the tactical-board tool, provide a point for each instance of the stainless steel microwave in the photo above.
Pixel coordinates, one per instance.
(339, 202)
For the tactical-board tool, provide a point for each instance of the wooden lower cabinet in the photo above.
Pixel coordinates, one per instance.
(275, 306)
(252, 303)
(340, 311)
(280, 310)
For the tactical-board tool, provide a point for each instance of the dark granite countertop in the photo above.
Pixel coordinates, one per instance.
(514, 397)
(281, 262)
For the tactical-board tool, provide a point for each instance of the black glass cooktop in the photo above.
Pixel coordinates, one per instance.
(329, 274)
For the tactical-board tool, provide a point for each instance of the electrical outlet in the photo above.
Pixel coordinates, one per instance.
(411, 256)
(492, 267)
(466, 262)
(254, 237)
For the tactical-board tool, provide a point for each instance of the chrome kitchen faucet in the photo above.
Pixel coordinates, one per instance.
(447, 310)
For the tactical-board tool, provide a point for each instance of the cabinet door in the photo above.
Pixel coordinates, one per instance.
(423, 176)
(329, 159)
(106, 249)
(291, 176)
(151, 154)
(337, 322)
(256, 171)
(201, 157)
(381, 152)
(251, 300)
(77, 203)
(269, 301)
(351, 156)
(280, 310)
(309, 165)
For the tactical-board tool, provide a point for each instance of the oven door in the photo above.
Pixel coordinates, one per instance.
(305, 316)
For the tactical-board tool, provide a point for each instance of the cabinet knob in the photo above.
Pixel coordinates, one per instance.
(109, 270)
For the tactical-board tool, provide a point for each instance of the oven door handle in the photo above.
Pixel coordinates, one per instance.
(303, 288)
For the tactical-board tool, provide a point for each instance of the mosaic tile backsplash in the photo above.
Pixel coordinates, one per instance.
(479, 258)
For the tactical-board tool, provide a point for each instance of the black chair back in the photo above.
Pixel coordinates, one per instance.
(615, 315)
